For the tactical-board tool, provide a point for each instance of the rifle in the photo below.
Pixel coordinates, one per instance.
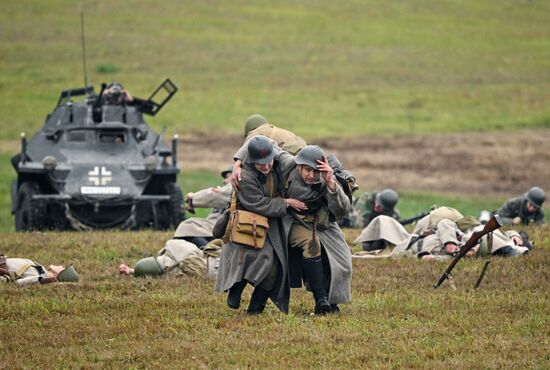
(494, 223)
(414, 218)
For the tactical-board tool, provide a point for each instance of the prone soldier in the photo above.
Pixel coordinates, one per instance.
(25, 271)
(178, 258)
(525, 209)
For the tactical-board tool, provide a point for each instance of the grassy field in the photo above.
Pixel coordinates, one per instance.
(396, 319)
(317, 68)
(322, 69)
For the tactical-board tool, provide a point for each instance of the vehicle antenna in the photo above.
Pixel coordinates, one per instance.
(83, 42)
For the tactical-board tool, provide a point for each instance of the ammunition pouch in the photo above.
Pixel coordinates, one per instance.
(248, 228)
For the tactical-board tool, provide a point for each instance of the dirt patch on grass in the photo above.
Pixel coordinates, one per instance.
(508, 162)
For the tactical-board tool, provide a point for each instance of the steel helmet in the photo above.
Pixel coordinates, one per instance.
(68, 275)
(147, 266)
(253, 122)
(536, 196)
(309, 155)
(260, 150)
(387, 198)
(227, 170)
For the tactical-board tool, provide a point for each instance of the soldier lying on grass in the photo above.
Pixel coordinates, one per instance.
(177, 258)
(439, 235)
(24, 271)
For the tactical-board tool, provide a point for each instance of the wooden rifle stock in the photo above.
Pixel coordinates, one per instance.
(494, 223)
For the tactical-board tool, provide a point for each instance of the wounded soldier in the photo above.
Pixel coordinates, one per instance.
(178, 258)
(24, 271)
(439, 235)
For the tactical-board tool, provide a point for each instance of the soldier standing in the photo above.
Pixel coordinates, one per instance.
(256, 124)
(311, 227)
(266, 268)
(525, 209)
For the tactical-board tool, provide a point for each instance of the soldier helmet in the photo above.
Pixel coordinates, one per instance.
(309, 155)
(115, 86)
(68, 275)
(536, 196)
(253, 122)
(260, 150)
(387, 198)
(227, 170)
(147, 266)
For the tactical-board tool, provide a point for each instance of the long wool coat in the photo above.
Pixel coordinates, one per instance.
(334, 248)
(239, 262)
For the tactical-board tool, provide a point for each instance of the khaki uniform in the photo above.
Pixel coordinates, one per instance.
(23, 271)
(286, 140)
(503, 239)
(216, 198)
(180, 257)
(402, 243)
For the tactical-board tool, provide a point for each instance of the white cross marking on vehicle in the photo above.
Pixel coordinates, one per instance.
(100, 177)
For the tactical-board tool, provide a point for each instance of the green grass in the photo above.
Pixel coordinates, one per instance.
(359, 67)
(396, 318)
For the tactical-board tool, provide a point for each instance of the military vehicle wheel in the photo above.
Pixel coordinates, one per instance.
(175, 210)
(29, 215)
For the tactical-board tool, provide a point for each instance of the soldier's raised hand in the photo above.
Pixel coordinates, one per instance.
(327, 173)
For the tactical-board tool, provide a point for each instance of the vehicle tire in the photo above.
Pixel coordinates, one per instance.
(30, 214)
(175, 211)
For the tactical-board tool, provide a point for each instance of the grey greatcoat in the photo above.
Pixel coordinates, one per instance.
(216, 198)
(333, 244)
(239, 262)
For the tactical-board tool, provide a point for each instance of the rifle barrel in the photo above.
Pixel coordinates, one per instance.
(494, 223)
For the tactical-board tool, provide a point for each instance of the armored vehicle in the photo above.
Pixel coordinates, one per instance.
(96, 164)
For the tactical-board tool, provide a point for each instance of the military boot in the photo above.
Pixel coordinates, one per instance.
(374, 245)
(258, 301)
(313, 270)
(234, 295)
